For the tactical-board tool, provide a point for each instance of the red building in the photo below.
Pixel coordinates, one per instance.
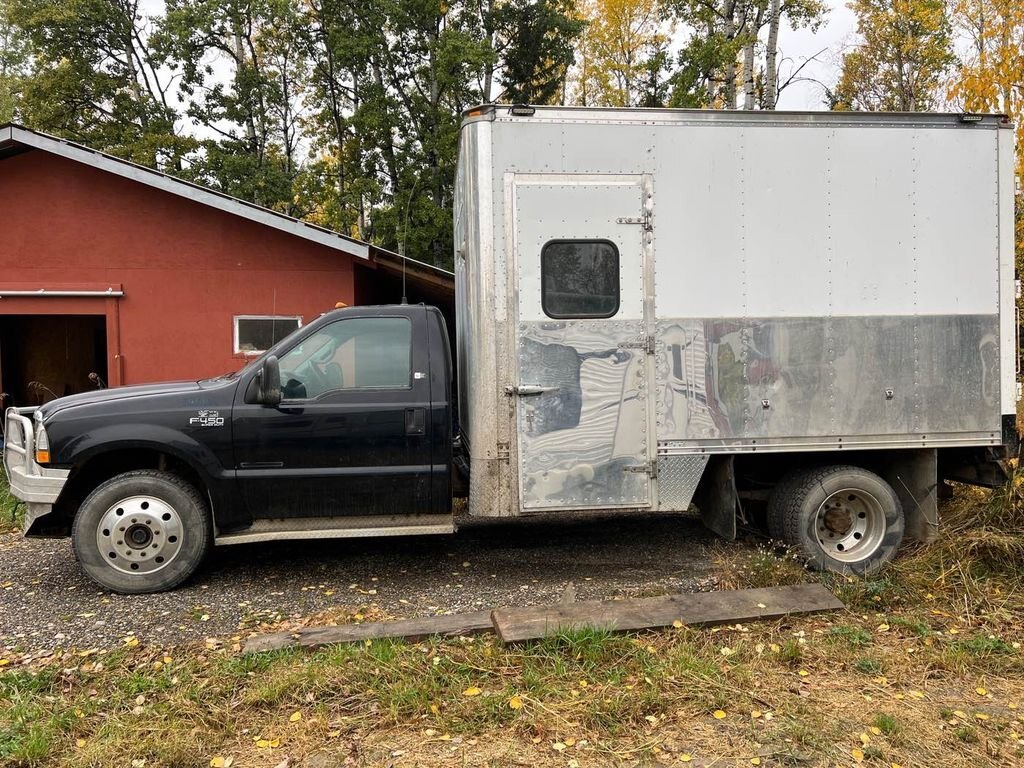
(120, 271)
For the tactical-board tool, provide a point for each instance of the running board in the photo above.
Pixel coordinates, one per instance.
(352, 526)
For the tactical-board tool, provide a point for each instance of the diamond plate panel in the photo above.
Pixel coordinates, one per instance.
(677, 480)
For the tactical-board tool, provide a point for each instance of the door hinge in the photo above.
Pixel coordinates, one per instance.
(644, 221)
(646, 344)
(503, 453)
(650, 468)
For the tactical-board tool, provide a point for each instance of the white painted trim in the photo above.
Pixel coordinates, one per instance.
(194, 192)
(254, 352)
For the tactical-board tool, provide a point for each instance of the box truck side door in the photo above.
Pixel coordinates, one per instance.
(581, 374)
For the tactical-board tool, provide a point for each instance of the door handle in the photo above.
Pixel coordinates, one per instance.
(415, 421)
(527, 390)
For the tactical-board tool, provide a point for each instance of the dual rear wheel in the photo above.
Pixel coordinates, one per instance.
(843, 518)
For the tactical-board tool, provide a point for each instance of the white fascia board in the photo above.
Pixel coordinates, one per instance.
(194, 192)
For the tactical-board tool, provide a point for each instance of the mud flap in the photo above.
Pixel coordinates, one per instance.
(716, 497)
(914, 476)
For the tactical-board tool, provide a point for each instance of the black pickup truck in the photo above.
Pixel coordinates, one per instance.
(342, 429)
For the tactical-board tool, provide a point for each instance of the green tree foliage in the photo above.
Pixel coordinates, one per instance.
(95, 79)
(903, 60)
(250, 111)
(14, 54)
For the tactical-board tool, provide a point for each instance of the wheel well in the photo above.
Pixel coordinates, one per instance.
(912, 473)
(100, 468)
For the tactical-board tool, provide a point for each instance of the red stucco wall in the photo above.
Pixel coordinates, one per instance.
(186, 269)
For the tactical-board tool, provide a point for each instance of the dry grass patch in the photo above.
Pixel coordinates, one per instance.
(925, 668)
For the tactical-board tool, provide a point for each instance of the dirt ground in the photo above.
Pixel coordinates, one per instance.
(47, 603)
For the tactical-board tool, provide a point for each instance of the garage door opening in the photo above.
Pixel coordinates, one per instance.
(43, 357)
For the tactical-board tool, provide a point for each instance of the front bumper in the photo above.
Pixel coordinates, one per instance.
(33, 484)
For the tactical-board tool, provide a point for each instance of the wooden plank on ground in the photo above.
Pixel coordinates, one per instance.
(701, 608)
(410, 629)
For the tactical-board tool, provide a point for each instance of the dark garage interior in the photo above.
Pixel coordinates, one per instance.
(43, 357)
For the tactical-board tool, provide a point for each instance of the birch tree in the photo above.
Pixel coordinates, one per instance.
(903, 59)
(730, 58)
(622, 57)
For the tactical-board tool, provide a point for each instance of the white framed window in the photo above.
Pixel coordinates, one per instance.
(255, 334)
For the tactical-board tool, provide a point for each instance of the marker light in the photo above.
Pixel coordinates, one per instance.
(42, 445)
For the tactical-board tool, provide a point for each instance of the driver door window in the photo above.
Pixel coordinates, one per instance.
(358, 353)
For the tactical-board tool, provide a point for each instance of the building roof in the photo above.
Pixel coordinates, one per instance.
(16, 139)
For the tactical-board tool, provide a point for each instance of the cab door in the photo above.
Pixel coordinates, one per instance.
(582, 341)
(351, 435)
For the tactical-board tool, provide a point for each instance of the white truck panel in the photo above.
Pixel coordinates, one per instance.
(807, 282)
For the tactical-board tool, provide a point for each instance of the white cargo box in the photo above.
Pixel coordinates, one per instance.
(639, 290)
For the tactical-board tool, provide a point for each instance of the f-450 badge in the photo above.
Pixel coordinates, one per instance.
(207, 419)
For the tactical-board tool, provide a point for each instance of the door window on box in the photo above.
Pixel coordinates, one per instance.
(579, 278)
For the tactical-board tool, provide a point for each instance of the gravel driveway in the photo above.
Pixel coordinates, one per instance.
(46, 603)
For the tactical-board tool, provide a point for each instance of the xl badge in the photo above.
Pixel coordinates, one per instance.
(207, 419)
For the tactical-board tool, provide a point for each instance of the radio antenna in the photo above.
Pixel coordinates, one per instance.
(405, 234)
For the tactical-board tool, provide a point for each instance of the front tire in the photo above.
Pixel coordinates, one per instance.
(142, 531)
(843, 518)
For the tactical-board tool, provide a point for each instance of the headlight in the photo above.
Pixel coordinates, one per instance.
(42, 445)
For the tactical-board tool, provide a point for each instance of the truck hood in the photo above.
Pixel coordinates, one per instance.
(116, 393)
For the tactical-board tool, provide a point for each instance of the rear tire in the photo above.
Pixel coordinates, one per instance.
(843, 518)
(142, 531)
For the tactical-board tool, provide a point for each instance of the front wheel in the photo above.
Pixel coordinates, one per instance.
(844, 518)
(141, 531)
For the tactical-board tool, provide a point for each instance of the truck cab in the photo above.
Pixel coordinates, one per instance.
(344, 428)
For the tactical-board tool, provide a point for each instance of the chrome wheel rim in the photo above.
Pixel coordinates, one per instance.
(849, 525)
(139, 534)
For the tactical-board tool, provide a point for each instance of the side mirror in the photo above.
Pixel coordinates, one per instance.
(269, 386)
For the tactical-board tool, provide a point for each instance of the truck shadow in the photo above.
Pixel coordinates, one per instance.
(496, 550)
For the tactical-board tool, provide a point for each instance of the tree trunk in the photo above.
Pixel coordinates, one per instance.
(770, 97)
(729, 74)
(489, 66)
(748, 75)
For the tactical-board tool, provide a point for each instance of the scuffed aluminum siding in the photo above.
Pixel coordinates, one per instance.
(796, 377)
(576, 443)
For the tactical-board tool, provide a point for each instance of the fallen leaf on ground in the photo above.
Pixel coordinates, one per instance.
(515, 702)
(296, 716)
(719, 714)
(472, 691)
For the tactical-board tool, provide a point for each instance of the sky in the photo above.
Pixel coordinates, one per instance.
(797, 46)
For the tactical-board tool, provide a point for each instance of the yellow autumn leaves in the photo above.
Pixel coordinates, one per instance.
(515, 702)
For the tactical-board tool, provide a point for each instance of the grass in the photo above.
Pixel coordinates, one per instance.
(12, 511)
(925, 668)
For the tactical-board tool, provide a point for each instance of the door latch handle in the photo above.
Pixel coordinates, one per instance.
(415, 421)
(526, 390)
